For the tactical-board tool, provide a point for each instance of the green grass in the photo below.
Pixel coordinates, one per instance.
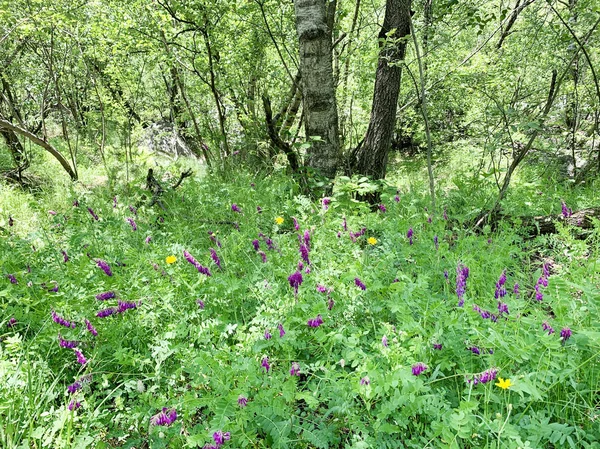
(168, 352)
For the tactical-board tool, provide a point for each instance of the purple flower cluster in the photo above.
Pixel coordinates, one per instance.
(215, 257)
(355, 235)
(295, 369)
(436, 242)
(235, 208)
(65, 256)
(132, 222)
(268, 335)
(106, 312)
(104, 267)
(409, 235)
(315, 322)
(296, 224)
(12, 322)
(382, 208)
(500, 289)
(105, 296)
(69, 344)
(219, 438)
(198, 265)
(437, 346)
(542, 282)
(91, 329)
(384, 341)
(304, 250)
(242, 401)
(295, 279)
(12, 278)
(265, 364)
(547, 327)
(326, 202)
(365, 381)
(93, 214)
(281, 330)
(359, 284)
(213, 238)
(565, 334)
(80, 357)
(344, 224)
(566, 212)
(74, 387)
(165, 417)
(484, 377)
(462, 274)
(60, 320)
(126, 305)
(74, 405)
(516, 289)
(418, 368)
(485, 314)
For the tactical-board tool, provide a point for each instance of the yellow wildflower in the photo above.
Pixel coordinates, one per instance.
(372, 241)
(503, 383)
(279, 220)
(171, 259)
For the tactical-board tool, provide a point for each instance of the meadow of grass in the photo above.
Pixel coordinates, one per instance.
(243, 314)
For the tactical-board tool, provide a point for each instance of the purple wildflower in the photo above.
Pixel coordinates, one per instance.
(344, 224)
(256, 244)
(12, 322)
(281, 330)
(265, 364)
(132, 222)
(547, 327)
(321, 288)
(330, 303)
(235, 208)
(326, 202)
(74, 387)
(242, 401)
(445, 214)
(462, 274)
(147, 240)
(69, 344)
(295, 279)
(382, 208)
(263, 256)
(565, 334)
(12, 278)
(397, 198)
(315, 322)
(300, 266)
(133, 210)
(60, 320)
(126, 305)
(220, 437)
(268, 335)
(269, 243)
(409, 235)
(201, 269)
(418, 368)
(359, 284)
(74, 405)
(500, 289)
(106, 312)
(166, 417)
(258, 209)
(104, 296)
(80, 357)
(446, 275)
(516, 289)
(91, 329)
(484, 377)
(200, 304)
(546, 270)
(295, 369)
(215, 258)
(93, 214)
(52, 212)
(304, 253)
(384, 341)
(502, 308)
(437, 346)
(307, 238)
(436, 242)
(475, 350)
(104, 267)
(76, 203)
(365, 381)
(114, 202)
(65, 256)
(566, 212)
(296, 225)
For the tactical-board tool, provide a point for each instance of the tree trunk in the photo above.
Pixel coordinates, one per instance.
(318, 90)
(371, 157)
(5, 124)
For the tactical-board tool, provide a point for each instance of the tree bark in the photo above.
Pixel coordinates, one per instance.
(371, 157)
(318, 89)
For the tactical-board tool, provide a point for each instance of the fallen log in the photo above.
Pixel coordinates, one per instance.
(541, 225)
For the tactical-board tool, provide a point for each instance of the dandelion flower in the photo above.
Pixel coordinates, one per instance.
(505, 384)
(171, 259)
(372, 241)
(279, 220)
